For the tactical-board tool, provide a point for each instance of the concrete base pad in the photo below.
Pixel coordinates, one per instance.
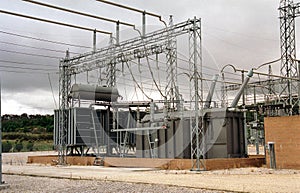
(167, 164)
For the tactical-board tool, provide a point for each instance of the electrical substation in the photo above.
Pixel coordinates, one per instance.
(152, 97)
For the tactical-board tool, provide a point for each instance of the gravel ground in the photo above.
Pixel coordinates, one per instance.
(24, 184)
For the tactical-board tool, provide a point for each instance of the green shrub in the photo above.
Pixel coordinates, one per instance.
(29, 146)
(26, 136)
(43, 146)
(19, 146)
(6, 146)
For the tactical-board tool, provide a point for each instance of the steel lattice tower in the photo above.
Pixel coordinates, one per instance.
(197, 128)
(64, 89)
(289, 68)
(171, 91)
(111, 67)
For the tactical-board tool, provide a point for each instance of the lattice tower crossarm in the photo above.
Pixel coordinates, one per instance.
(157, 43)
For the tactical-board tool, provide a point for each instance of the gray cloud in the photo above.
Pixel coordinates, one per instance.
(241, 32)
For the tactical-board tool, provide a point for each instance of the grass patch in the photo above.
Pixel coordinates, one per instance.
(26, 146)
(27, 136)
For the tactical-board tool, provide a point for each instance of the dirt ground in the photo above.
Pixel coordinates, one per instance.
(21, 177)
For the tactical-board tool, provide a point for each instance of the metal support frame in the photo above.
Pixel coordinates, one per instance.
(109, 58)
(288, 81)
(156, 43)
(197, 129)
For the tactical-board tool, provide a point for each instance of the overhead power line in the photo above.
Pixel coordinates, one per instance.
(24, 68)
(30, 54)
(44, 40)
(79, 13)
(27, 72)
(54, 22)
(25, 63)
(33, 47)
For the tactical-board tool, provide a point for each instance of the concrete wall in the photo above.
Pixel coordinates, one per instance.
(285, 132)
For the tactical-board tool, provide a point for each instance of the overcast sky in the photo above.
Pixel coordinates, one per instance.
(241, 32)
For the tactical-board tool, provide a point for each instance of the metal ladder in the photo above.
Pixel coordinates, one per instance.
(151, 141)
(98, 160)
(152, 146)
(123, 144)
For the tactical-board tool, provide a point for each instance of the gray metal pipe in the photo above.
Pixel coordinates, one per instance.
(118, 33)
(211, 91)
(241, 90)
(94, 40)
(144, 24)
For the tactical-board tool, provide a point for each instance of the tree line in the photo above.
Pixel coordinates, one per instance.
(27, 132)
(28, 123)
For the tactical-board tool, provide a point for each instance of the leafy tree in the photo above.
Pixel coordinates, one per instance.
(25, 123)
(24, 115)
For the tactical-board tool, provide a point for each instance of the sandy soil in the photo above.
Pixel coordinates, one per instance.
(20, 158)
(145, 179)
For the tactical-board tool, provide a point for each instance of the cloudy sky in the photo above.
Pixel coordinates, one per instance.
(241, 32)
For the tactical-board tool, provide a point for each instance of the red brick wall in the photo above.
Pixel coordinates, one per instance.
(285, 132)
